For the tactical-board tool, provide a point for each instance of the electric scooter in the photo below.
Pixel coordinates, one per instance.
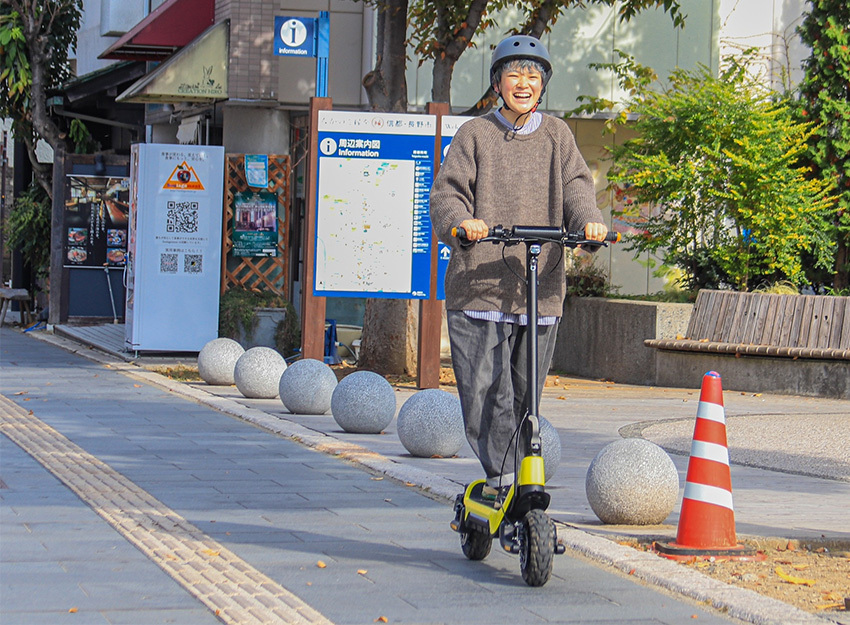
(517, 516)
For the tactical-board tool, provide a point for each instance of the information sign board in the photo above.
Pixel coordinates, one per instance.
(373, 230)
(295, 36)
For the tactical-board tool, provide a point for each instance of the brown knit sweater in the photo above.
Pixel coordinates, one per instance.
(493, 174)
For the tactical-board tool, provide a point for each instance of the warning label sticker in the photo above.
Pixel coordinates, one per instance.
(183, 178)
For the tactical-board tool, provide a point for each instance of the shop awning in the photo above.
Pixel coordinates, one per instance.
(197, 73)
(100, 82)
(169, 27)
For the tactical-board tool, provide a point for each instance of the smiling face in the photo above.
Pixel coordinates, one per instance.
(520, 85)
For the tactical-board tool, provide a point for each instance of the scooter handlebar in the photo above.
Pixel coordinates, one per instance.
(539, 234)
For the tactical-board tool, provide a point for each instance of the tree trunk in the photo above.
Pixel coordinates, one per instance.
(41, 121)
(386, 84)
(390, 331)
(388, 345)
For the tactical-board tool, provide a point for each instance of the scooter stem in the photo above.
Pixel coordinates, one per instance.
(532, 256)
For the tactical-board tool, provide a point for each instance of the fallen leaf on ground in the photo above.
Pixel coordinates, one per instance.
(362, 571)
(321, 564)
(72, 611)
(793, 580)
(138, 385)
(210, 552)
(382, 619)
(21, 392)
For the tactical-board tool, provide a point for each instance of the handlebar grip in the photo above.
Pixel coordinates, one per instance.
(613, 237)
(459, 232)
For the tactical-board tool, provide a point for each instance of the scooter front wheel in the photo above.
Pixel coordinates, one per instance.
(475, 544)
(536, 547)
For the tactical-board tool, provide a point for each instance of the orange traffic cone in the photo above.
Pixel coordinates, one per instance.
(707, 520)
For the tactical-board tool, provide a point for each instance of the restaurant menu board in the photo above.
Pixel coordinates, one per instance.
(373, 230)
(96, 219)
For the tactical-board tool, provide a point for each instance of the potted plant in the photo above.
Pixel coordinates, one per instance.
(254, 318)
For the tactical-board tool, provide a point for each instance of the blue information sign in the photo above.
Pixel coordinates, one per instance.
(295, 36)
(373, 230)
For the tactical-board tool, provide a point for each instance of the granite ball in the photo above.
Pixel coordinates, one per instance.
(363, 403)
(430, 423)
(306, 387)
(632, 482)
(217, 359)
(551, 443)
(257, 373)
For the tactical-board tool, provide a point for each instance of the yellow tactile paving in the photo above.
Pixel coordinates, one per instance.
(231, 588)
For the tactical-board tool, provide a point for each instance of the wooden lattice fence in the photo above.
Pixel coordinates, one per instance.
(257, 273)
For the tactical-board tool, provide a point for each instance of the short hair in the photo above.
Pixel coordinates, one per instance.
(518, 64)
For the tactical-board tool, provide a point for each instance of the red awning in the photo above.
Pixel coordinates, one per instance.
(165, 30)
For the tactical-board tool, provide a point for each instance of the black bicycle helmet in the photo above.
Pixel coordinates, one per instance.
(521, 47)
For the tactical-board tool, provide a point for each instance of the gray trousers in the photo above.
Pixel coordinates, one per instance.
(489, 360)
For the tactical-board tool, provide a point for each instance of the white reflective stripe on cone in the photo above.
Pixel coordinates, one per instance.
(710, 451)
(712, 412)
(708, 494)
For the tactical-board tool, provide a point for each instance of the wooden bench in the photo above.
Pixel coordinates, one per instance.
(764, 324)
(7, 296)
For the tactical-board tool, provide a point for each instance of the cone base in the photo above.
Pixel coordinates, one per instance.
(675, 551)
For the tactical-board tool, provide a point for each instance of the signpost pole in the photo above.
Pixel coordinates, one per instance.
(312, 307)
(430, 310)
(323, 36)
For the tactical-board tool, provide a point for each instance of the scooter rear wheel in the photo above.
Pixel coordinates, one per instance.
(536, 547)
(475, 544)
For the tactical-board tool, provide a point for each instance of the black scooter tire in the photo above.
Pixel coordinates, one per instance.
(537, 547)
(475, 544)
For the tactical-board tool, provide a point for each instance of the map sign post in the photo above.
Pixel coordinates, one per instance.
(373, 231)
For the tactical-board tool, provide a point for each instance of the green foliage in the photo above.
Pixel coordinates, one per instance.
(36, 38)
(84, 143)
(287, 336)
(236, 312)
(825, 99)
(27, 228)
(32, 32)
(586, 278)
(720, 160)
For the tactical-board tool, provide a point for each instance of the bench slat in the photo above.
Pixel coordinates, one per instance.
(844, 341)
(702, 323)
(768, 319)
(820, 338)
(802, 310)
(838, 313)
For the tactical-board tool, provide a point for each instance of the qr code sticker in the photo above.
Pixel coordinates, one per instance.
(168, 263)
(182, 217)
(193, 263)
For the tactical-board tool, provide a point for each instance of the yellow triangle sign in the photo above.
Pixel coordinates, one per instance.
(184, 178)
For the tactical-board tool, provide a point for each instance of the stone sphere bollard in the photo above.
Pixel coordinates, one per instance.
(217, 359)
(306, 387)
(551, 448)
(257, 373)
(632, 482)
(430, 423)
(363, 403)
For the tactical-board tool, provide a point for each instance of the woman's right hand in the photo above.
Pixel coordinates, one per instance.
(475, 229)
